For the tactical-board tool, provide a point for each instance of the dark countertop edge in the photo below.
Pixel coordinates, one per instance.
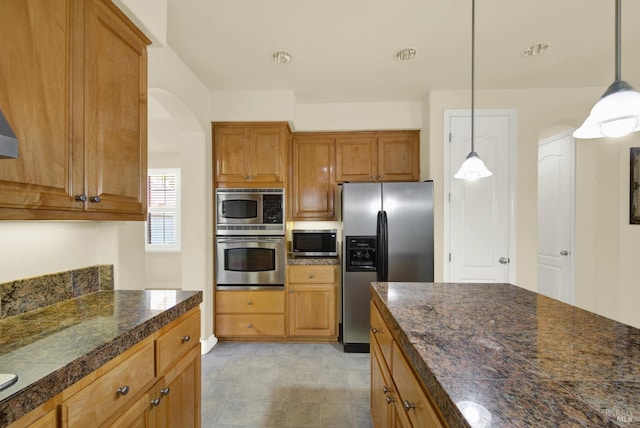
(312, 261)
(32, 396)
(449, 410)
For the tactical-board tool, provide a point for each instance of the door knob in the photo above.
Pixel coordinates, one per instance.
(564, 253)
(504, 260)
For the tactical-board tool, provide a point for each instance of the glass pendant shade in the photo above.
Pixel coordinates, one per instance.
(473, 168)
(616, 114)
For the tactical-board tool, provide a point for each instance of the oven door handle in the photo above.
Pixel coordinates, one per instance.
(242, 241)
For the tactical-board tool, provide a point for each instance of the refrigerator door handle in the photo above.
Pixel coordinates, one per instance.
(385, 261)
(379, 252)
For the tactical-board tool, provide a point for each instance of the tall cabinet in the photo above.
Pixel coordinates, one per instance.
(73, 86)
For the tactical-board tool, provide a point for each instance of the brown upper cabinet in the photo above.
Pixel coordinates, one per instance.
(249, 154)
(321, 160)
(313, 182)
(378, 156)
(73, 86)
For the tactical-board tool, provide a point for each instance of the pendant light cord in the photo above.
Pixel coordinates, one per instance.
(618, 39)
(473, 50)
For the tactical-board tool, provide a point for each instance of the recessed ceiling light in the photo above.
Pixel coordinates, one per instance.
(282, 57)
(406, 54)
(536, 49)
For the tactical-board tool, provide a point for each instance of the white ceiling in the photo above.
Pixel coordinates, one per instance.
(344, 49)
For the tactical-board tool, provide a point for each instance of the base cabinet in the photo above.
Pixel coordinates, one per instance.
(312, 301)
(156, 383)
(250, 314)
(397, 398)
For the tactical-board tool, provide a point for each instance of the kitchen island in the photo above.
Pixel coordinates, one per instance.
(68, 353)
(496, 355)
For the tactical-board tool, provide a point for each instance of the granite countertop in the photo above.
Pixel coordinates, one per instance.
(53, 347)
(312, 261)
(496, 355)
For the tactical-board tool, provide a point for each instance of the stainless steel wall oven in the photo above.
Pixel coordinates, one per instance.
(250, 262)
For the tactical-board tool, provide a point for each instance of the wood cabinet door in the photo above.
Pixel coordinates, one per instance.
(267, 154)
(382, 390)
(312, 310)
(231, 154)
(139, 415)
(399, 156)
(115, 113)
(356, 159)
(179, 394)
(35, 87)
(313, 183)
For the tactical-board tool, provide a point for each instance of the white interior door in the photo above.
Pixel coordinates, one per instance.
(555, 216)
(480, 239)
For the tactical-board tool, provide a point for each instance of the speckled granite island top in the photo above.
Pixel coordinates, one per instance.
(53, 347)
(496, 355)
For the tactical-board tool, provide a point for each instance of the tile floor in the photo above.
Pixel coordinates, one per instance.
(284, 385)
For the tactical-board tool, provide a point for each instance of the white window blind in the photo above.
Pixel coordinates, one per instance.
(162, 228)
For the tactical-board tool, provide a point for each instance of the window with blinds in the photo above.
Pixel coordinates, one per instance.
(162, 228)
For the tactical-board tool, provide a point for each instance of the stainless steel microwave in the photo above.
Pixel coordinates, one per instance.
(250, 211)
(314, 243)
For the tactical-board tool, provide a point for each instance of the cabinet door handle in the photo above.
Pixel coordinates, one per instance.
(408, 405)
(390, 400)
(381, 176)
(312, 276)
(249, 303)
(123, 390)
(373, 176)
(165, 391)
(245, 177)
(249, 325)
(95, 199)
(385, 389)
(374, 330)
(81, 198)
(155, 402)
(186, 338)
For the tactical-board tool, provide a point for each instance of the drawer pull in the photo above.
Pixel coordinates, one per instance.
(165, 391)
(408, 405)
(249, 303)
(123, 390)
(312, 276)
(249, 325)
(376, 331)
(385, 389)
(186, 338)
(390, 400)
(155, 402)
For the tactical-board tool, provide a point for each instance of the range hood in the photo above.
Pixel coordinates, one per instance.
(8, 140)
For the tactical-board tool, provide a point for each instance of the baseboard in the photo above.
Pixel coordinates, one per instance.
(208, 344)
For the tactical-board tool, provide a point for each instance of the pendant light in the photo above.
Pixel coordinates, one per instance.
(473, 167)
(617, 113)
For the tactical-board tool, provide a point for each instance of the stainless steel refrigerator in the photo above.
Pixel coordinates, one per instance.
(387, 235)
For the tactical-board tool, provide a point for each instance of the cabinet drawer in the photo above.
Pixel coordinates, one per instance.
(381, 332)
(249, 325)
(177, 342)
(311, 275)
(417, 406)
(250, 302)
(101, 399)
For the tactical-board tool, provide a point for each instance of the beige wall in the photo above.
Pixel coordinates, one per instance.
(608, 246)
